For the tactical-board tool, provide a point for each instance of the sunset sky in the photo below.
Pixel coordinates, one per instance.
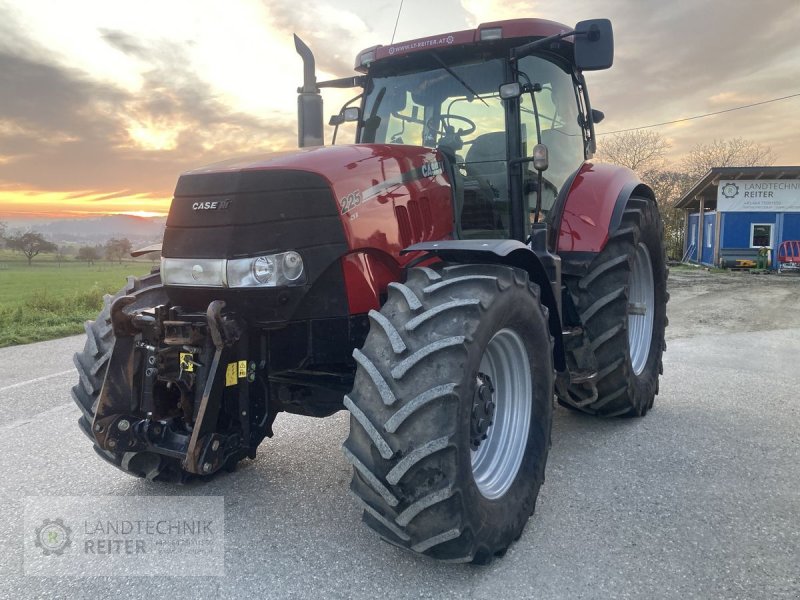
(104, 103)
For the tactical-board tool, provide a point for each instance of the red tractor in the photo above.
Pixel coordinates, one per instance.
(443, 279)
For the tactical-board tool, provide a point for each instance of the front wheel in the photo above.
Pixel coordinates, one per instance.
(451, 411)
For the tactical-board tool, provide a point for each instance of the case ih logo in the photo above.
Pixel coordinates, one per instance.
(212, 205)
(432, 169)
(730, 190)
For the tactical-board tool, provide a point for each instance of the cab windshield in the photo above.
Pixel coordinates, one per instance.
(457, 109)
(459, 112)
(422, 107)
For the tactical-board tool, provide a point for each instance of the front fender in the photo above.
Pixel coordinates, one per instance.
(594, 205)
(514, 254)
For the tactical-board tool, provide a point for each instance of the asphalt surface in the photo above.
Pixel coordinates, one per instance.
(700, 499)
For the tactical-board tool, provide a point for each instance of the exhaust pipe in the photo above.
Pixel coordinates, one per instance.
(309, 101)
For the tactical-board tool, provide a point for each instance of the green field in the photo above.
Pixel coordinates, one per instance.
(46, 301)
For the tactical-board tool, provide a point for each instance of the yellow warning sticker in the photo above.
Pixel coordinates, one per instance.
(230, 375)
(242, 368)
(186, 362)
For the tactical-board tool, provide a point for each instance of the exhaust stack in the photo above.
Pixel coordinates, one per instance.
(309, 101)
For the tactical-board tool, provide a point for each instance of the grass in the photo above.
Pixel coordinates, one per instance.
(48, 300)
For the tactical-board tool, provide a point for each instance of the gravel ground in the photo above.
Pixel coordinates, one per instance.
(698, 500)
(704, 302)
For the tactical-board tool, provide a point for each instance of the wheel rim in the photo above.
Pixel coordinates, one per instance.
(497, 459)
(641, 305)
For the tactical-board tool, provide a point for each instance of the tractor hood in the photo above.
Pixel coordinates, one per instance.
(289, 200)
(345, 169)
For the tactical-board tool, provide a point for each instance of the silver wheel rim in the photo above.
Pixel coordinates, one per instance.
(497, 460)
(641, 305)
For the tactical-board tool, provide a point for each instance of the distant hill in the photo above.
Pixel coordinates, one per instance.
(97, 230)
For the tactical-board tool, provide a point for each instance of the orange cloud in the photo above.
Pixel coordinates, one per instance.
(50, 204)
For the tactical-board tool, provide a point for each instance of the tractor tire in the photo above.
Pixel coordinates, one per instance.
(91, 365)
(622, 301)
(451, 411)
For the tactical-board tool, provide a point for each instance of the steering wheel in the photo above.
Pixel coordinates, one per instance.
(441, 125)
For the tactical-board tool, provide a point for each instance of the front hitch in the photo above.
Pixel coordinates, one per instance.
(210, 350)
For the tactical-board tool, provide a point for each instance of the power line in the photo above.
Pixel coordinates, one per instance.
(397, 20)
(711, 114)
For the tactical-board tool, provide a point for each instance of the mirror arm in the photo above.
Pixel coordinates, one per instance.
(526, 49)
(344, 82)
(522, 51)
(588, 104)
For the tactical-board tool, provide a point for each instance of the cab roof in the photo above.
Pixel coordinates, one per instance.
(495, 30)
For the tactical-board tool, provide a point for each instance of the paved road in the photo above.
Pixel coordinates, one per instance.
(701, 499)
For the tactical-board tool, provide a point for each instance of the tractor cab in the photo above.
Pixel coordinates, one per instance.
(486, 99)
(456, 107)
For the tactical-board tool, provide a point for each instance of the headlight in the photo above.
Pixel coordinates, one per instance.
(292, 266)
(202, 272)
(273, 270)
(264, 269)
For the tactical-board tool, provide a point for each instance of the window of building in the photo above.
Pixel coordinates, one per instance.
(709, 234)
(761, 235)
(693, 234)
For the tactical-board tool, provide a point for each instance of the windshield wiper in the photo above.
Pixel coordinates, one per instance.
(461, 81)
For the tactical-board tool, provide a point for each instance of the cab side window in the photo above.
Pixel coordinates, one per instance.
(557, 105)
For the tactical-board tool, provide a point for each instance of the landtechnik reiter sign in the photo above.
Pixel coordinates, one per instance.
(759, 195)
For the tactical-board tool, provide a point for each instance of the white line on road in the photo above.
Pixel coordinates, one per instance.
(37, 379)
(60, 408)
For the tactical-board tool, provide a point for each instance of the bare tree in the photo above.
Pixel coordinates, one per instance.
(2, 233)
(640, 150)
(30, 244)
(117, 249)
(88, 254)
(669, 187)
(735, 152)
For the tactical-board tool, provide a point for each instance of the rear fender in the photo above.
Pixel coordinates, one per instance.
(591, 210)
(514, 254)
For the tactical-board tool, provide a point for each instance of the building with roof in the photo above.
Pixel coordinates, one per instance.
(733, 212)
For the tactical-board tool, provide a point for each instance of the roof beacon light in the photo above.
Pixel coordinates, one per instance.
(365, 59)
(495, 33)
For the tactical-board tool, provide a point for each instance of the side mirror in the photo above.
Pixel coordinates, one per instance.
(348, 115)
(351, 114)
(510, 90)
(597, 115)
(541, 157)
(594, 45)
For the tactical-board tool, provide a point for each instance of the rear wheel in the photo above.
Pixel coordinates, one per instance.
(622, 303)
(451, 411)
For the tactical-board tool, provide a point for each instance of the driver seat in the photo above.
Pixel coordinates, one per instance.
(485, 187)
(486, 160)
